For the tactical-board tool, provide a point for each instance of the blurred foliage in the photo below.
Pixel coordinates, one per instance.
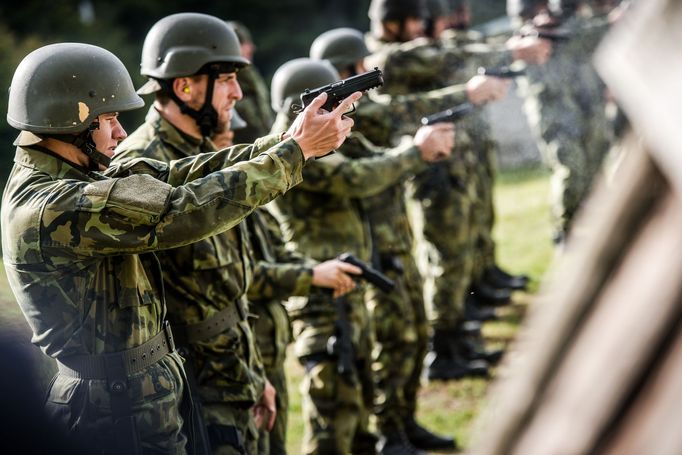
(281, 30)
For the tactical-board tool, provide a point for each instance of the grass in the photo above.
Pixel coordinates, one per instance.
(523, 238)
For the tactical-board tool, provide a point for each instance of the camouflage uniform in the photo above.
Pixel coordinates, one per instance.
(202, 279)
(323, 218)
(83, 241)
(254, 107)
(566, 113)
(279, 273)
(455, 197)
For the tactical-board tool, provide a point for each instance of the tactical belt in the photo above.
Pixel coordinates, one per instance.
(213, 326)
(131, 360)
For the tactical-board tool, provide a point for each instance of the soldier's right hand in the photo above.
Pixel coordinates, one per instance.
(435, 142)
(317, 131)
(334, 274)
(484, 89)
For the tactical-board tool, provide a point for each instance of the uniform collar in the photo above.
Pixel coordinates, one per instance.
(42, 159)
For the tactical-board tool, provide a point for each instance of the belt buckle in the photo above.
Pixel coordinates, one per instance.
(169, 336)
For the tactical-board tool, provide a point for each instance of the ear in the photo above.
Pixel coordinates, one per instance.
(182, 88)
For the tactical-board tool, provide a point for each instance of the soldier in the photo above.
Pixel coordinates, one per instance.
(191, 60)
(401, 326)
(321, 219)
(565, 105)
(447, 187)
(279, 273)
(79, 235)
(254, 107)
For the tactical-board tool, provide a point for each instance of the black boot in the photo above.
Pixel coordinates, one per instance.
(471, 346)
(476, 311)
(423, 439)
(501, 279)
(447, 362)
(396, 443)
(489, 295)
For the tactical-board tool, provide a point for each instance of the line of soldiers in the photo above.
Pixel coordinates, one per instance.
(109, 239)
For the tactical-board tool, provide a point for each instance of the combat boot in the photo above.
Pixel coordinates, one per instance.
(445, 361)
(423, 439)
(396, 443)
(471, 346)
(489, 295)
(476, 311)
(501, 279)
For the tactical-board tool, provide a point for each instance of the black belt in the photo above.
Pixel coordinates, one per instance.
(133, 360)
(213, 326)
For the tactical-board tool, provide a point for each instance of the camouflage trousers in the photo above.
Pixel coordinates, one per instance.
(336, 410)
(451, 252)
(273, 334)
(231, 429)
(401, 333)
(483, 212)
(82, 409)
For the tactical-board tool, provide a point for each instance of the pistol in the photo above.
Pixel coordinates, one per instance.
(503, 71)
(449, 115)
(340, 90)
(553, 34)
(369, 273)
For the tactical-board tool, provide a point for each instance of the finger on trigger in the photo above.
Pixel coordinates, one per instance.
(344, 105)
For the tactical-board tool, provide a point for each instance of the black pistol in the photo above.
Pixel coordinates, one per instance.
(503, 72)
(340, 90)
(369, 273)
(449, 115)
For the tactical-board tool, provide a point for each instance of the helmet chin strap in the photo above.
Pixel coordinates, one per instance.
(87, 145)
(206, 118)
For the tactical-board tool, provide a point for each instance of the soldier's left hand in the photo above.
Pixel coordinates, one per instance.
(485, 89)
(265, 411)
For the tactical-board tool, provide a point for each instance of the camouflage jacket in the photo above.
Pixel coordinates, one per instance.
(281, 272)
(206, 276)
(322, 217)
(82, 241)
(254, 107)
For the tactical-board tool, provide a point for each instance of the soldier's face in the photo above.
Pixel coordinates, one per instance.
(226, 92)
(109, 133)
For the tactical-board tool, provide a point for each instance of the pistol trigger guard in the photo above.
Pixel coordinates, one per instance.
(352, 110)
(296, 108)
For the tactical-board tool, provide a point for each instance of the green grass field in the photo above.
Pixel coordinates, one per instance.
(524, 246)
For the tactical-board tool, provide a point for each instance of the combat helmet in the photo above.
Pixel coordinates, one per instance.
(59, 90)
(396, 10)
(187, 44)
(293, 77)
(343, 47)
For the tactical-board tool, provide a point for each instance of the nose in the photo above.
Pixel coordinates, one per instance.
(235, 91)
(117, 132)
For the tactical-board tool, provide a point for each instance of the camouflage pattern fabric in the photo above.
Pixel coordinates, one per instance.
(280, 272)
(83, 241)
(564, 103)
(322, 219)
(254, 107)
(203, 278)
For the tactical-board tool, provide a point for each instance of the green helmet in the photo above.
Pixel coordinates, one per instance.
(343, 47)
(182, 44)
(292, 78)
(396, 10)
(61, 88)
(186, 44)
